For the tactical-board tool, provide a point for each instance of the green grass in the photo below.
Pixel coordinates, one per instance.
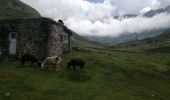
(157, 44)
(15, 9)
(108, 75)
(81, 42)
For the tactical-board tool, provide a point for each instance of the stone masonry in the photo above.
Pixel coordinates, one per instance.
(41, 36)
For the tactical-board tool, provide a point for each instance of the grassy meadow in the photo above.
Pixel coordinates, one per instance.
(157, 44)
(108, 75)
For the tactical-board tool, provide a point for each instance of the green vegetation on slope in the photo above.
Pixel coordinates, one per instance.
(15, 9)
(157, 44)
(108, 75)
(81, 42)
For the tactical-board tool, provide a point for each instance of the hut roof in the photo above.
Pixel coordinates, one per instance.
(41, 19)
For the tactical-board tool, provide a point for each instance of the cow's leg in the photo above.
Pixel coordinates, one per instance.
(68, 66)
(31, 63)
(57, 68)
(22, 62)
(59, 64)
(82, 67)
(51, 67)
(74, 67)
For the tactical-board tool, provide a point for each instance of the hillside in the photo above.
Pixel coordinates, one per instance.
(108, 75)
(158, 44)
(110, 41)
(125, 16)
(152, 13)
(82, 42)
(15, 9)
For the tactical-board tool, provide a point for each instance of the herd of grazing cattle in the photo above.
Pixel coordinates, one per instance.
(52, 63)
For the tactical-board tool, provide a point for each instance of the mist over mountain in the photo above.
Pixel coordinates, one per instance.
(149, 13)
(152, 13)
(125, 16)
(108, 40)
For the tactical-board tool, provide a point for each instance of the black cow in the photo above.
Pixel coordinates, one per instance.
(29, 58)
(76, 62)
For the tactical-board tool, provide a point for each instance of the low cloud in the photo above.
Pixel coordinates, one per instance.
(113, 27)
(89, 18)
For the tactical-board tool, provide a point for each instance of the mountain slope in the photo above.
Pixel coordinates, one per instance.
(158, 44)
(15, 9)
(79, 41)
(125, 16)
(152, 13)
(110, 41)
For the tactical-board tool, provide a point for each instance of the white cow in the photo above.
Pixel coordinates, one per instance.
(54, 60)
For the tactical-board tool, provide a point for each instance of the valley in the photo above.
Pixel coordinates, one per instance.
(108, 75)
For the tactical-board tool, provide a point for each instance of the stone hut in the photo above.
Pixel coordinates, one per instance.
(40, 36)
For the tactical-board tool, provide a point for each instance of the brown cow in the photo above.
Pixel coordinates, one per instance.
(76, 62)
(26, 57)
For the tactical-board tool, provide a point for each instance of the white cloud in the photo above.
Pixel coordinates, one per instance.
(113, 27)
(72, 8)
(155, 3)
(87, 18)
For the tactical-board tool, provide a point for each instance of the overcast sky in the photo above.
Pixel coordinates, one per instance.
(95, 17)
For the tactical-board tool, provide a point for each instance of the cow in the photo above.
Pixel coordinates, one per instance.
(26, 57)
(76, 62)
(53, 60)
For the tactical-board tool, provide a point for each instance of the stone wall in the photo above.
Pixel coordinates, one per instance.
(58, 40)
(32, 39)
(32, 36)
(42, 37)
